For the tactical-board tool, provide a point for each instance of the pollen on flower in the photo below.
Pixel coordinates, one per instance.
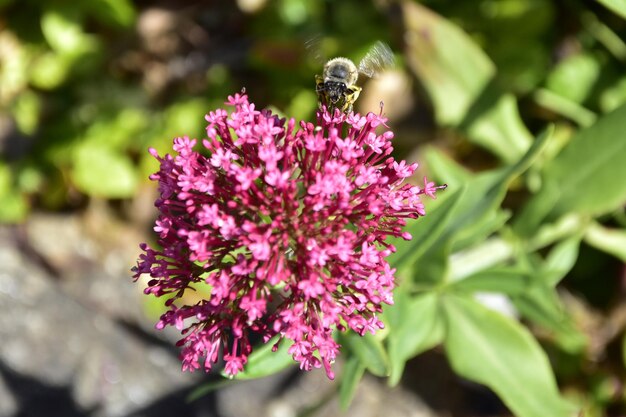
(287, 227)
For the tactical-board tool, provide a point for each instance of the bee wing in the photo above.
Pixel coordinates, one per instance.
(314, 49)
(377, 58)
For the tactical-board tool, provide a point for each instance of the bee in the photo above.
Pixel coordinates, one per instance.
(336, 88)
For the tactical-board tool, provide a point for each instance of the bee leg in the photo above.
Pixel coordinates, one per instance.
(351, 95)
(355, 91)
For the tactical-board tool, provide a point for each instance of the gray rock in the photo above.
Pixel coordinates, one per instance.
(62, 341)
(8, 403)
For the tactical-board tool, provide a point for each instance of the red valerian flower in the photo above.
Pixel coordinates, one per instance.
(287, 227)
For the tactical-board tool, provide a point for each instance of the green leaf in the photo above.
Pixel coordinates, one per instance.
(585, 177)
(431, 269)
(561, 260)
(483, 195)
(114, 12)
(16, 64)
(100, 171)
(424, 231)
(485, 255)
(478, 207)
(496, 351)
(302, 104)
(493, 221)
(462, 95)
(436, 47)
(207, 388)
(564, 106)
(185, 116)
(414, 326)
(505, 280)
(14, 206)
(617, 6)
(63, 31)
(263, 362)
(614, 96)
(49, 71)
(494, 123)
(26, 110)
(479, 204)
(536, 209)
(462, 217)
(119, 131)
(574, 77)
(370, 352)
(541, 305)
(476, 213)
(605, 35)
(611, 241)
(442, 167)
(351, 376)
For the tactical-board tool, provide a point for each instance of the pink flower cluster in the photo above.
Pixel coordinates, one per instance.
(286, 226)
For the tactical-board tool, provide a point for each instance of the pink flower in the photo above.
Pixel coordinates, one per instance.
(287, 226)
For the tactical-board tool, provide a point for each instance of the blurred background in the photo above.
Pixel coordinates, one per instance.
(86, 87)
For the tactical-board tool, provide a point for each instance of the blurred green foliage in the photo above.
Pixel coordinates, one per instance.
(527, 100)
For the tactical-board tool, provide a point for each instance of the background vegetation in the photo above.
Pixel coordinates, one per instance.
(516, 274)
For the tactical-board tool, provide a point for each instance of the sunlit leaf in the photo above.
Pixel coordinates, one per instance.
(436, 47)
(100, 171)
(617, 6)
(493, 221)
(589, 170)
(463, 95)
(207, 388)
(614, 96)
(26, 111)
(414, 326)
(49, 71)
(484, 255)
(15, 61)
(541, 303)
(424, 232)
(14, 206)
(64, 32)
(443, 168)
(585, 177)
(493, 122)
(116, 12)
(564, 107)
(489, 348)
(185, 116)
(612, 241)
(506, 280)
(370, 352)
(470, 213)
(561, 260)
(350, 377)
(574, 77)
(119, 131)
(484, 193)
(263, 361)
(431, 268)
